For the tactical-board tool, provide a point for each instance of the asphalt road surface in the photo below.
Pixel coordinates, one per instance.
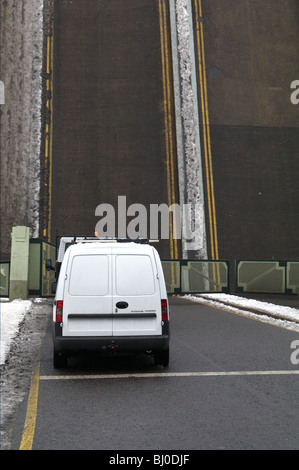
(109, 135)
(250, 57)
(205, 399)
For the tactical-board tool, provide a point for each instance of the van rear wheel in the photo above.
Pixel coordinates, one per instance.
(161, 358)
(59, 360)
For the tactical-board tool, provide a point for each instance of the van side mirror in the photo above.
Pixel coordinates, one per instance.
(49, 266)
(54, 287)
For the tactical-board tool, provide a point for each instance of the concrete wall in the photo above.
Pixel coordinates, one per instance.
(21, 33)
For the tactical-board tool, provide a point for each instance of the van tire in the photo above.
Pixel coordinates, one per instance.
(59, 361)
(161, 358)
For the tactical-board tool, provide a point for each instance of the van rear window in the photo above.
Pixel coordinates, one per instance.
(89, 275)
(134, 275)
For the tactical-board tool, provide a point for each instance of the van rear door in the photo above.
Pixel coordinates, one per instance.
(87, 308)
(136, 299)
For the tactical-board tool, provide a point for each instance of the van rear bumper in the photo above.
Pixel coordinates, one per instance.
(69, 344)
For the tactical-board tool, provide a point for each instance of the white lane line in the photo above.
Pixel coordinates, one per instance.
(168, 374)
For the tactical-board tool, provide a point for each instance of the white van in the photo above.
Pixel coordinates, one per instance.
(111, 297)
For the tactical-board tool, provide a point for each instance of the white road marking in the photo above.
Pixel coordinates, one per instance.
(168, 374)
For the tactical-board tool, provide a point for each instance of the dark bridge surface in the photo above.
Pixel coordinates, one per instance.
(251, 52)
(109, 123)
(110, 133)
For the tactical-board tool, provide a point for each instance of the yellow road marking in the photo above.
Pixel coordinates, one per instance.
(49, 129)
(29, 427)
(165, 55)
(51, 139)
(206, 130)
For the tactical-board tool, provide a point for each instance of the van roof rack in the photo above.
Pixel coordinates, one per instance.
(66, 241)
(80, 238)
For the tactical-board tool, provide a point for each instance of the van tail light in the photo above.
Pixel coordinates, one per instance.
(59, 309)
(164, 309)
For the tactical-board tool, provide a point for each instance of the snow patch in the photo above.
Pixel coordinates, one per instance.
(12, 315)
(190, 128)
(283, 316)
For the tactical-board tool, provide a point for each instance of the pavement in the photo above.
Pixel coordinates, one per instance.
(291, 301)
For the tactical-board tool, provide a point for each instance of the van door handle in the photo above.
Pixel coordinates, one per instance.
(122, 305)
